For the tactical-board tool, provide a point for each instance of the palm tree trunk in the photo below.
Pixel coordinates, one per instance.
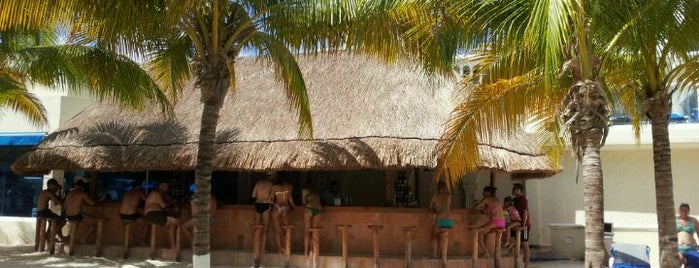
(213, 81)
(594, 200)
(205, 154)
(664, 196)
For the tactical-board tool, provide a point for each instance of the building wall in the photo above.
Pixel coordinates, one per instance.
(629, 187)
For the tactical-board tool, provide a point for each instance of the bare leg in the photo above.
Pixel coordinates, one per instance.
(265, 221)
(435, 241)
(278, 229)
(527, 254)
(171, 225)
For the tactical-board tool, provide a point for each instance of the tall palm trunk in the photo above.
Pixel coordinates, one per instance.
(586, 114)
(593, 200)
(213, 81)
(662, 164)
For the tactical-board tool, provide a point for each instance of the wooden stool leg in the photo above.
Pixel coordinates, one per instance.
(178, 241)
(315, 248)
(375, 235)
(287, 247)
(343, 235)
(98, 240)
(37, 233)
(518, 243)
(152, 241)
(408, 232)
(474, 257)
(127, 234)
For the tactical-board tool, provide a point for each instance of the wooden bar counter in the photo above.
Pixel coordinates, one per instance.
(233, 229)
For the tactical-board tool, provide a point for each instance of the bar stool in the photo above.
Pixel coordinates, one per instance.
(315, 241)
(257, 244)
(408, 233)
(287, 247)
(153, 229)
(375, 234)
(474, 246)
(343, 233)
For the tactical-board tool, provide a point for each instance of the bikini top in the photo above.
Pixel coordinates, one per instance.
(688, 227)
(281, 192)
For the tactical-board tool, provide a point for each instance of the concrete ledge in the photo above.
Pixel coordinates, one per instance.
(17, 231)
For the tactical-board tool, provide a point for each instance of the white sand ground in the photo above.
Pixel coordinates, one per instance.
(24, 256)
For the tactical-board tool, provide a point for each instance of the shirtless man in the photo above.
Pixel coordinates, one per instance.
(42, 203)
(75, 200)
(263, 204)
(155, 211)
(131, 202)
(283, 204)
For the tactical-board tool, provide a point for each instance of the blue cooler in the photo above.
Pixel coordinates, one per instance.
(692, 258)
(630, 256)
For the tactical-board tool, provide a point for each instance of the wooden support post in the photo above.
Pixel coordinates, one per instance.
(257, 244)
(151, 254)
(127, 235)
(98, 239)
(343, 233)
(287, 247)
(408, 232)
(375, 234)
(444, 244)
(315, 241)
(53, 230)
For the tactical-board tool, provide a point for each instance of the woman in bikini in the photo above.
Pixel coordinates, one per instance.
(283, 204)
(492, 208)
(311, 215)
(686, 227)
(440, 205)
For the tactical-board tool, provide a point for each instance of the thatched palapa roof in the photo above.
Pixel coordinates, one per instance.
(366, 115)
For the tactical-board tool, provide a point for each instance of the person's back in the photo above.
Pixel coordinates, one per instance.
(75, 200)
(154, 202)
(132, 200)
(49, 194)
(262, 191)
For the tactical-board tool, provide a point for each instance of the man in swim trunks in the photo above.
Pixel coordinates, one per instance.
(441, 206)
(75, 200)
(263, 204)
(42, 204)
(155, 210)
(522, 206)
(283, 204)
(131, 201)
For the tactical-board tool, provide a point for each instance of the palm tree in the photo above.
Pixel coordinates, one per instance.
(201, 39)
(524, 45)
(650, 52)
(32, 57)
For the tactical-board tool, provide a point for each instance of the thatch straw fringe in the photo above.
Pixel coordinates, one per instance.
(366, 115)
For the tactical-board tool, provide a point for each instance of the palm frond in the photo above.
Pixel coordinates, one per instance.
(169, 65)
(289, 73)
(505, 105)
(15, 96)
